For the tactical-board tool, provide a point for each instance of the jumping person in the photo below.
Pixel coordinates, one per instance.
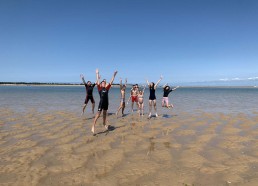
(140, 102)
(89, 94)
(152, 97)
(165, 101)
(103, 89)
(133, 96)
(122, 100)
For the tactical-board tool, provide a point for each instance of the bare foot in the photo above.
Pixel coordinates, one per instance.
(149, 115)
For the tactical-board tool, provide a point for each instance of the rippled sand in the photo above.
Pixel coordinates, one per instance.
(57, 148)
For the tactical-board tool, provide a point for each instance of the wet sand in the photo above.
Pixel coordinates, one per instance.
(57, 148)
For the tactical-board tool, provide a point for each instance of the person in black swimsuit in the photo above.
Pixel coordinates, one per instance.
(103, 89)
(152, 97)
(89, 94)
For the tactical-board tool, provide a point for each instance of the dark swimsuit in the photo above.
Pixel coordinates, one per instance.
(103, 102)
(166, 92)
(152, 94)
(89, 90)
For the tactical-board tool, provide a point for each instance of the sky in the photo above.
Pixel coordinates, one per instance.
(184, 40)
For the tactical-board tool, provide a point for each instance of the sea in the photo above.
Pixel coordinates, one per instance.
(228, 100)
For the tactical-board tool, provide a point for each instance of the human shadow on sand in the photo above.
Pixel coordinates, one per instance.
(168, 116)
(89, 118)
(110, 128)
(122, 116)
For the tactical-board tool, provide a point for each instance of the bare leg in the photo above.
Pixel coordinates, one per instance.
(163, 103)
(167, 105)
(139, 109)
(105, 118)
(132, 106)
(83, 108)
(123, 108)
(150, 107)
(142, 108)
(93, 106)
(120, 106)
(155, 107)
(171, 105)
(95, 121)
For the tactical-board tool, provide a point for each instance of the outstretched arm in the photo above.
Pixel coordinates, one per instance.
(82, 77)
(158, 82)
(113, 78)
(97, 76)
(175, 88)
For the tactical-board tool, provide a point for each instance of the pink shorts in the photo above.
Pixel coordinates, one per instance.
(165, 100)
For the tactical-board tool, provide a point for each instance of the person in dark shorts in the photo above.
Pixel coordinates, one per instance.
(103, 89)
(152, 97)
(89, 94)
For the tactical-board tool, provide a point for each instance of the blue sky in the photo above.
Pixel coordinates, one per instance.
(185, 40)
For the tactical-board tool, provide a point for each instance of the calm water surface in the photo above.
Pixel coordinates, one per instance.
(71, 98)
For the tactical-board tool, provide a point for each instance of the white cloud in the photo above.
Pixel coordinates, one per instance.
(236, 79)
(225, 79)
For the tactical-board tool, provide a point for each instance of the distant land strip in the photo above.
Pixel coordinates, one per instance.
(38, 83)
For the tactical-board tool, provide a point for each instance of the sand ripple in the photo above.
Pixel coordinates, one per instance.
(57, 148)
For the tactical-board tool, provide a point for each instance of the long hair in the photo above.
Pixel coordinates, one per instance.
(152, 84)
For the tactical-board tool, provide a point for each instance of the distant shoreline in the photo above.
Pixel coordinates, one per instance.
(115, 85)
(46, 84)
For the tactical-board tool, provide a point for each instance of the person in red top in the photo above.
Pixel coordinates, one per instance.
(103, 89)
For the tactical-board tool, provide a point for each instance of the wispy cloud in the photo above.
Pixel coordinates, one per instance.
(252, 78)
(225, 79)
(238, 79)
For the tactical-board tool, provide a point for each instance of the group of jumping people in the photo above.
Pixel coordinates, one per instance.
(136, 96)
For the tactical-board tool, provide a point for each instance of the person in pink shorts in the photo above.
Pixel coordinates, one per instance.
(167, 90)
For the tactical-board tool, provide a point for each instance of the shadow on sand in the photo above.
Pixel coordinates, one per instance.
(110, 128)
(168, 116)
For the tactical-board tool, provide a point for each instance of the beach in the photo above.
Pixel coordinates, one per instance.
(54, 146)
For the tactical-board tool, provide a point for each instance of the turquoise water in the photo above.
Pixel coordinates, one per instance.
(71, 98)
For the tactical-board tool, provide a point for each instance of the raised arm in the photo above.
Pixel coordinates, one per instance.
(125, 82)
(97, 76)
(147, 82)
(129, 97)
(82, 77)
(155, 86)
(143, 89)
(165, 85)
(121, 86)
(113, 78)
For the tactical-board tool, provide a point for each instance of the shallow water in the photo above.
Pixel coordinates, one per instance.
(71, 98)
